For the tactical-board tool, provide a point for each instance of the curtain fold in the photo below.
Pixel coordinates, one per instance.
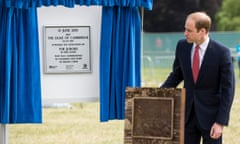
(119, 59)
(20, 89)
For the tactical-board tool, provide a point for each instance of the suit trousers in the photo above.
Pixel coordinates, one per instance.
(194, 134)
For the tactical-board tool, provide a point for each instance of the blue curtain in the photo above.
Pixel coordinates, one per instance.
(119, 59)
(71, 3)
(20, 91)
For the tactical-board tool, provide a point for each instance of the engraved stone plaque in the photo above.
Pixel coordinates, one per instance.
(67, 49)
(154, 115)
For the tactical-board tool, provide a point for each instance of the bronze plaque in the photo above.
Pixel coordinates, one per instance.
(154, 115)
(149, 122)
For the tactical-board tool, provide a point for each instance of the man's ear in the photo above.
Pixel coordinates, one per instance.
(203, 30)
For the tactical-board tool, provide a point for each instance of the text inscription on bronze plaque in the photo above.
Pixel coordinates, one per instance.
(148, 121)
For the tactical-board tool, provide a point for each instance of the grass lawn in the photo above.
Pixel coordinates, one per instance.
(80, 124)
(77, 125)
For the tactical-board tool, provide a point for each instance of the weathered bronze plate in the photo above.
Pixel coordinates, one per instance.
(149, 122)
(154, 115)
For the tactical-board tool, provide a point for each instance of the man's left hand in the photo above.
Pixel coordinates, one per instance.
(216, 131)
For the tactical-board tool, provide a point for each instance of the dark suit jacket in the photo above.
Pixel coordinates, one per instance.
(213, 92)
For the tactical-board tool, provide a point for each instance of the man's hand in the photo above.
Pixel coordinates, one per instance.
(216, 131)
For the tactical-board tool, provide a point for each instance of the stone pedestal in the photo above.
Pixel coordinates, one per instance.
(154, 116)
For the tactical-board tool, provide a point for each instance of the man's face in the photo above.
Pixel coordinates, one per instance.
(191, 33)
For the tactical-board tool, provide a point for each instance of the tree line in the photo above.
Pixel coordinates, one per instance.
(170, 15)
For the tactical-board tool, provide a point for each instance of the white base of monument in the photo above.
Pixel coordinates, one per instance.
(3, 134)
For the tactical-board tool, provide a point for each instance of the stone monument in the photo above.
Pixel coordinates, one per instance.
(154, 116)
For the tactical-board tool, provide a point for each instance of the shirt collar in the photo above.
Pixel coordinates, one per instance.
(204, 45)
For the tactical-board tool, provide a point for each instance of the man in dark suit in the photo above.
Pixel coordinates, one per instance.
(206, 68)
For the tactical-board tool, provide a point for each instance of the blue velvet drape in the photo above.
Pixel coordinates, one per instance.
(20, 91)
(71, 3)
(119, 59)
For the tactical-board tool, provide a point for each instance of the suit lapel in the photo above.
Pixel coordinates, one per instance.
(206, 57)
(188, 59)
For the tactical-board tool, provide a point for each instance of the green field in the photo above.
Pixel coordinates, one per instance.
(80, 124)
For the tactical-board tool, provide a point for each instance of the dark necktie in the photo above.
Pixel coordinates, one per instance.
(196, 63)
